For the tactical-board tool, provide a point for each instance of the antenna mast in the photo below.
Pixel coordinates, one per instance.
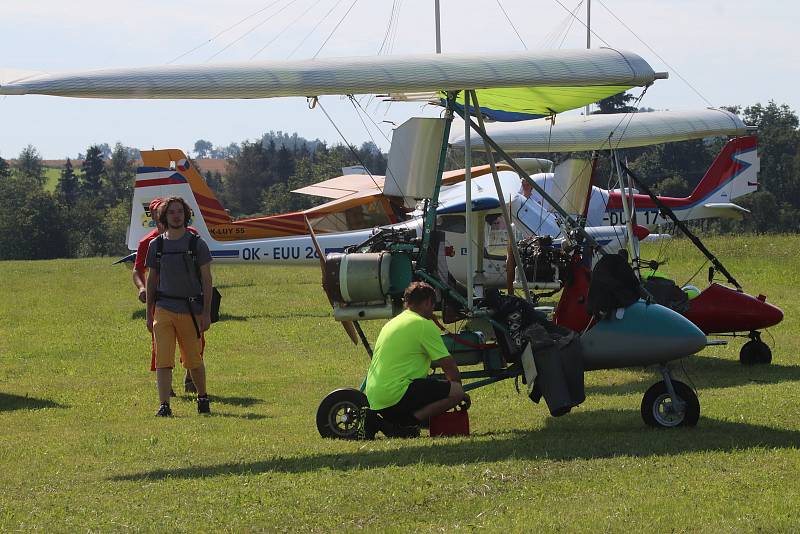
(588, 36)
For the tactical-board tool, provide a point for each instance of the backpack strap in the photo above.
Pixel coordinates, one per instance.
(193, 239)
(159, 251)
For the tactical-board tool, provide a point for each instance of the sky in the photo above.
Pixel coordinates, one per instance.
(730, 52)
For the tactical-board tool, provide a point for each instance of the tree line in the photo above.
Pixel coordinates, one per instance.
(88, 212)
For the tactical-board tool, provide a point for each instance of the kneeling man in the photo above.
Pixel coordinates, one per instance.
(397, 387)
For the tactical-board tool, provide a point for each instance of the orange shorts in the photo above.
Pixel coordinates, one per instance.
(153, 349)
(169, 327)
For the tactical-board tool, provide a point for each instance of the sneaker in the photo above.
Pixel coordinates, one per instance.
(368, 424)
(393, 430)
(164, 410)
(189, 387)
(203, 405)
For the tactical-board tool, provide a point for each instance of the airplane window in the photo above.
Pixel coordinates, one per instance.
(453, 223)
(496, 236)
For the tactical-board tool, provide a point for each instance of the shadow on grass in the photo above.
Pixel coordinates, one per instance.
(236, 401)
(139, 315)
(10, 403)
(708, 372)
(587, 435)
(238, 284)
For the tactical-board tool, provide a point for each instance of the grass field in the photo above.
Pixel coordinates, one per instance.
(80, 448)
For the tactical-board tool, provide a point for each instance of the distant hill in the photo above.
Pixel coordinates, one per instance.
(205, 165)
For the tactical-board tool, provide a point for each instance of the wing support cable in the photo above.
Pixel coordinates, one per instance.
(667, 211)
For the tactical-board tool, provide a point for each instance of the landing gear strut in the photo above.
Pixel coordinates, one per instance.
(755, 351)
(670, 403)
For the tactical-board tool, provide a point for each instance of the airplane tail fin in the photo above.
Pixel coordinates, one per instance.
(166, 173)
(733, 173)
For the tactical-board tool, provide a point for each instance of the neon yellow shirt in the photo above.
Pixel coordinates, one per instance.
(403, 352)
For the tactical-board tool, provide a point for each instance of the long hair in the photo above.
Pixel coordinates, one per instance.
(162, 211)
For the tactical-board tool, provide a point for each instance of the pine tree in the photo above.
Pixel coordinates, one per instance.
(68, 188)
(93, 171)
(5, 169)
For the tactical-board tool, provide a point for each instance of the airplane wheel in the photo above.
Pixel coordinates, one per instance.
(755, 352)
(339, 412)
(659, 411)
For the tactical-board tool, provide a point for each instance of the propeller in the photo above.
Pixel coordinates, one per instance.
(349, 327)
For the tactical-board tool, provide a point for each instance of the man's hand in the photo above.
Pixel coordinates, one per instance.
(143, 294)
(205, 322)
(150, 324)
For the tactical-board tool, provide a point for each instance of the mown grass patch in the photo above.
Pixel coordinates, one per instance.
(81, 450)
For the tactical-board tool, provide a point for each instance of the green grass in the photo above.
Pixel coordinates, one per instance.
(81, 450)
(52, 175)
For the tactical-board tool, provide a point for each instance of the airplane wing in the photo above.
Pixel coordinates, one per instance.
(593, 74)
(727, 210)
(342, 186)
(606, 131)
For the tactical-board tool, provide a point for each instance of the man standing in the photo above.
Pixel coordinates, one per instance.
(140, 281)
(397, 387)
(178, 300)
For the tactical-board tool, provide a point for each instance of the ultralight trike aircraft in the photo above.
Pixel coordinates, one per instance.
(619, 329)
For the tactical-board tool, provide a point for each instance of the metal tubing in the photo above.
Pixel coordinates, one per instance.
(430, 213)
(468, 206)
(568, 220)
(625, 193)
(511, 238)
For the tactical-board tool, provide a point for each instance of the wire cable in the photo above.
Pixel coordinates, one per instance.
(301, 15)
(670, 67)
(201, 45)
(251, 30)
(314, 29)
(583, 23)
(346, 142)
(335, 28)
(512, 24)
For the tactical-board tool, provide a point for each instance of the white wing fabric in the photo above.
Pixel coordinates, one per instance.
(361, 75)
(603, 132)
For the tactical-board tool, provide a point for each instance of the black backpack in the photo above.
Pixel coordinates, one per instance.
(216, 297)
(614, 285)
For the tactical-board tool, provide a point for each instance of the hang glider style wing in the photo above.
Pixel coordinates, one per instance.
(603, 132)
(603, 71)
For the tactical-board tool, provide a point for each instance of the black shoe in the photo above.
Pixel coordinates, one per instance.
(203, 405)
(368, 424)
(189, 387)
(164, 410)
(391, 430)
(172, 393)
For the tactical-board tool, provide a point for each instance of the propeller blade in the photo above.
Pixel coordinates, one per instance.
(348, 326)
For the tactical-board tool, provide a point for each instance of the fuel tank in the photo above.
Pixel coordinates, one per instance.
(645, 334)
(722, 309)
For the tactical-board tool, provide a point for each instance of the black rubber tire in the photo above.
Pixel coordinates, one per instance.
(755, 352)
(339, 412)
(656, 405)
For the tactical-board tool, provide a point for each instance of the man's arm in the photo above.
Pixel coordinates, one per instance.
(152, 285)
(205, 279)
(450, 368)
(139, 281)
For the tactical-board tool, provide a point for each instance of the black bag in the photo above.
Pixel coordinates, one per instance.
(216, 298)
(614, 285)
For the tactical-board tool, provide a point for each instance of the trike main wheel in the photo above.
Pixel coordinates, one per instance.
(339, 413)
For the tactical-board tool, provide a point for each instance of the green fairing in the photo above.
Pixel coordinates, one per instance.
(542, 100)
